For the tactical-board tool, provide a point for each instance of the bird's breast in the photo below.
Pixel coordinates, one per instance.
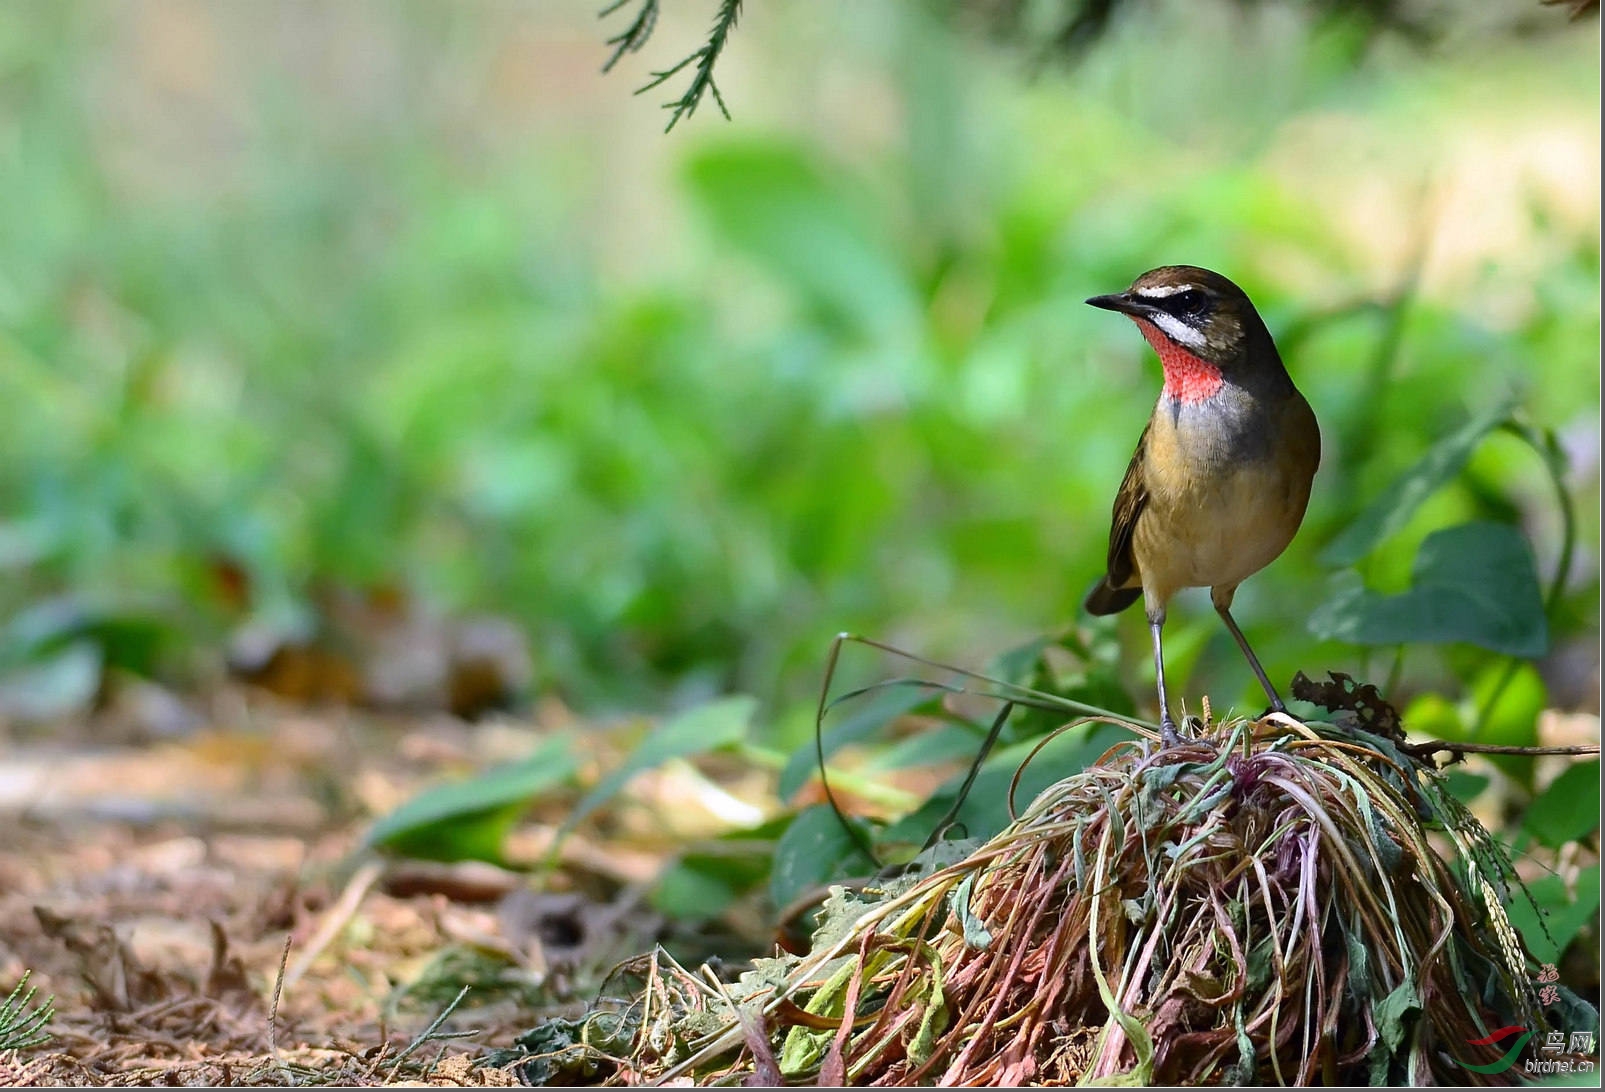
(1227, 483)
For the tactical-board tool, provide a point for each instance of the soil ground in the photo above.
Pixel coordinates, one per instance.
(153, 888)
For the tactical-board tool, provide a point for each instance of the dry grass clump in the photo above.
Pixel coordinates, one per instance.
(1264, 906)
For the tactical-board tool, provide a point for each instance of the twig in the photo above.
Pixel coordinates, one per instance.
(1460, 750)
(704, 59)
(335, 920)
(633, 37)
(1011, 694)
(428, 1033)
(939, 831)
(273, 1015)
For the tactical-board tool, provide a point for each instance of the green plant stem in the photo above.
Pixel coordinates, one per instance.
(634, 36)
(1512, 665)
(1548, 449)
(1395, 671)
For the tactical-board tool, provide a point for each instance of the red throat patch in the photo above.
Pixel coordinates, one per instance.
(1187, 377)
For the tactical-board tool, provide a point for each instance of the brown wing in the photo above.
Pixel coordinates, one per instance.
(1110, 595)
(1129, 503)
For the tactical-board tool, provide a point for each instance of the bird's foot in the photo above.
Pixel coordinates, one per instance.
(1168, 735)
(1275, 707)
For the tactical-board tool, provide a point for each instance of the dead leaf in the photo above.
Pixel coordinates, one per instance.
(116, 978)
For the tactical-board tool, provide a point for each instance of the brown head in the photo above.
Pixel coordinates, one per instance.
(1203, 327)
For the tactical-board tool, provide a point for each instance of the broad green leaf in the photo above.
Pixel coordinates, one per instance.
(1474, 583)
(694, 732)
(1568, 809)
(468, 819)
(876, 711)
(1564, 915)
(813, 850)
(699, 886)
(1464, 787)
(1019, 664)
(1393, 508)
(476, 835)
(688, 893)
(931, 745)
(985, 810)
(1394, 1013)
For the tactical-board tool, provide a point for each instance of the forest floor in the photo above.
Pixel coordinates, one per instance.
(199, 901)
(202, 912)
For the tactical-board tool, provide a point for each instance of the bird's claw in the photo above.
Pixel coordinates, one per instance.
(1168, 735)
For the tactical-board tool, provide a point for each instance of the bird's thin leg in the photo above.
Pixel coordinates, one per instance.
(1167, 726)
(1224, 610)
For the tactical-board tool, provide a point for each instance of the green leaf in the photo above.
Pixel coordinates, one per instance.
(476, 835)
(1475, 582)
(1434, 716)
(814, 850)
(700, 886)
(1395, 1012)
(469, 819)
(1464, 787)
(976, 934)
(880, 709)
(694, 732)
(1393, 508)
(929, 746)
(1563, 915)
(1020, 663)
(985, 810)
(1518, 694)
(1568, 809)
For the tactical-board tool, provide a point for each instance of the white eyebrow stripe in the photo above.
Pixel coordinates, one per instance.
(1161, 291)
(1177, 330)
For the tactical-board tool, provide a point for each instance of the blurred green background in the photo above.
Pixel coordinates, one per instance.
(411, 296)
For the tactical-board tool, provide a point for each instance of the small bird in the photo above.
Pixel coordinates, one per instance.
(1221, 476)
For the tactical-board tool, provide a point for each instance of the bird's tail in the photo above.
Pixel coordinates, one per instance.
(1103, 599)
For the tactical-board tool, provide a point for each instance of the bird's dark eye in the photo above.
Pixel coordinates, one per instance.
(1191, 303)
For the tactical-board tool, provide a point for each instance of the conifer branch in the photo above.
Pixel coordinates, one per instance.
(634, 36)
(702, 61)
(22, 1023)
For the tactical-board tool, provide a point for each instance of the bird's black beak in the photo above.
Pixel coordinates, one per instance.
(1122, 302)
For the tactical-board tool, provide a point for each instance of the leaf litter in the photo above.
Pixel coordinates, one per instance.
(150, 893)
(1279, 903)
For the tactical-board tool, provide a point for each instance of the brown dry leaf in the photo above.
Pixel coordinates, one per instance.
(459, 881)
(227, 980)
(116, 978)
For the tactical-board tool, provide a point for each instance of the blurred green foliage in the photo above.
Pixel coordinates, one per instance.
(381, 316)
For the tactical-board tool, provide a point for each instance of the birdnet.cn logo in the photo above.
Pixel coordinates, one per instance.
(1560, 1051)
